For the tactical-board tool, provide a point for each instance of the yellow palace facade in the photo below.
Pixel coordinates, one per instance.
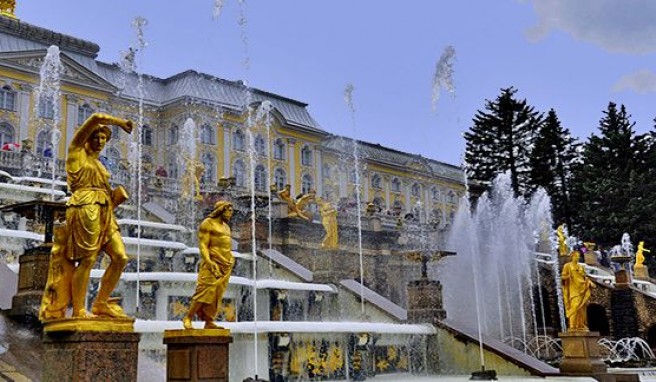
(296, 150)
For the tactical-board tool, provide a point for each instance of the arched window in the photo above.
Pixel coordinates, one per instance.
(209, 172)
(326, 171)
(451, 197)
(239, 173)
(46, 107)
(352, 176)
(146, 135)
(279, 178)
(43, 143)
(7, 98)
(238, 140)
(260, 145)
(6, 133)
(113, 158)
(435, 193)
(260, 178)
(172, 166)
(83, 113)
(436, 217)
(379, 203)
(207, 135)
(416, 189)
(396, 185)
(279, 149)
(306, 156)
(306, 184)
(376, 182)
(172, 135)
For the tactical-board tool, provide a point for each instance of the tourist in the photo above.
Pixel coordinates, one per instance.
(215, 246)
(576, 292)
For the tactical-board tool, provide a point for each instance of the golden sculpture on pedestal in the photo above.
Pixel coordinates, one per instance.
(640, 269)
(214, 243)
(329, 222)
(562, 240)
(90, 228)
(193, 174)
(576, 293)
(293, 209)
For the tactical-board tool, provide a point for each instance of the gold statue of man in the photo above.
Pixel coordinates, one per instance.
(214, 243)
(329, 222)
(576, 293)
(90, 227)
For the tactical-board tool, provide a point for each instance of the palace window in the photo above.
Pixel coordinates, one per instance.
(325, 171)
(260, 178)
(7, 98)
(306, 184)
(279, 149)
(416, 190)
(172, 166)
(396, 185)
(451, 197)
(83, 113)
(43, 143)
(209, 171)
(435, 192)
(260, 145)
(172, 135)
(376, 182)
(146, 135)
(239, 172)
(280, 178)
(113, 158)
(6, 133)
(46, 107)
(238, 140)
(306, 156)
(207, 135)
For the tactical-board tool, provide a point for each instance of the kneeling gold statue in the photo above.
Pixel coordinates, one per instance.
(214, 244)
(90, 228)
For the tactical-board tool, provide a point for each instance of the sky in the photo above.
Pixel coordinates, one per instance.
(574, 56)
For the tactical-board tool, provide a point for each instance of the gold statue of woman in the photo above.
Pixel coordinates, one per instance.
(90, 227)
(214, 244)
(329, 222)
(576, 293)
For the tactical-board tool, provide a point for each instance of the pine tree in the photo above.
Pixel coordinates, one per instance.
(500, 140)
(553, 159)
(609, 179)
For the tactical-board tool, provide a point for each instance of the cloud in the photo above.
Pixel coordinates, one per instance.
(618, 26)
(643, 81)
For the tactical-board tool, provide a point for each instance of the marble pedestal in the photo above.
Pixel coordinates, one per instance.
(90, 356)
(581, 354)
(197, 355)
(641, 272)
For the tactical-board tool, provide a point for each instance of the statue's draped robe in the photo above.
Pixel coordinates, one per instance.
(576, 293)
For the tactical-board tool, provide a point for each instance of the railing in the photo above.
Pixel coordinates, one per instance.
(24, 163)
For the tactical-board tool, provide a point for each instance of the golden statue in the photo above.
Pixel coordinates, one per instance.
(193, 174)
(329, 222)
(640, 257)
(562, 240)
(8, 8)
(576, 293)
(90, 228)
(214, 243)
(293, 209)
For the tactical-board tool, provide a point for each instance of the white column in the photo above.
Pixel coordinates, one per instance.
(291, 179)
(387, 186)
(343, 182)
(71, 118)
(226, 150)
(406, 190)
(24, 111)
(319, 165)
(365, 186)
(426, 205)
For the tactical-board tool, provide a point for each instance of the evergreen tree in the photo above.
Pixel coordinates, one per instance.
(500, 140)
(553, 159)
(609, 180)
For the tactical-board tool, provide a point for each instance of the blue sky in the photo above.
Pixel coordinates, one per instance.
(571, 55)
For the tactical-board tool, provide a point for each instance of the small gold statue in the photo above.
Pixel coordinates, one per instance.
(576, 293)
(640, 257)
(8, 8)
(293, 209)
(193, 174)
(329, 222)
(90, 228)
(562, 240)
(214, 243)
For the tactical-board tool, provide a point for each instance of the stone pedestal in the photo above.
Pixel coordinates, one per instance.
(641, 272)
(90, 356)
(590, 258)
(581, 355)
(425, 301)
(32, 278)
(197, 355)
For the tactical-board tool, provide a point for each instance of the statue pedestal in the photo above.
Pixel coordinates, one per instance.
(90, 356)
(581, 355)
(641, 272)
(197, 355)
